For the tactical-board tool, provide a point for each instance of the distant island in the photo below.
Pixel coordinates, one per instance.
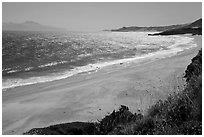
(28, 26)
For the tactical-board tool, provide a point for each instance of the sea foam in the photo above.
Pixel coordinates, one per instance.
(170, 51)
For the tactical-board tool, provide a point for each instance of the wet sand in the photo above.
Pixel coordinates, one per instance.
(88, 97)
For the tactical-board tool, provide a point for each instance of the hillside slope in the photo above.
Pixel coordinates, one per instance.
(194, 28)
(155, 28)
(28, 26)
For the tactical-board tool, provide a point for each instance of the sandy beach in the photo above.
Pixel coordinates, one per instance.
(88, 97)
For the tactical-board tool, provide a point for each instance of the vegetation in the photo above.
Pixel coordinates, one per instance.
(75, 128)
(180, 113)
(195, 68)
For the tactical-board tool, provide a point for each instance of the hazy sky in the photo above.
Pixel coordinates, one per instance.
(99, 16)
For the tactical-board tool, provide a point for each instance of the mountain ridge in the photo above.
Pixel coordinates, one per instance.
(28, 26)
(150, 28)
(156, 28)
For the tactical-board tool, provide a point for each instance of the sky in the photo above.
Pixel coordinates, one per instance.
(100, 16)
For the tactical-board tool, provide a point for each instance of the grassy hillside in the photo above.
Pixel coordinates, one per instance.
(180, 113)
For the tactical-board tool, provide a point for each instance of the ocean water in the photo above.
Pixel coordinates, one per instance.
(34, 57)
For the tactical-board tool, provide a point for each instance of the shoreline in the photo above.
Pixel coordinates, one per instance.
(172, 51)
(91, 97)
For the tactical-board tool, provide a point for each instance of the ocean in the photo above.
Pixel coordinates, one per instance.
(35, 57)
